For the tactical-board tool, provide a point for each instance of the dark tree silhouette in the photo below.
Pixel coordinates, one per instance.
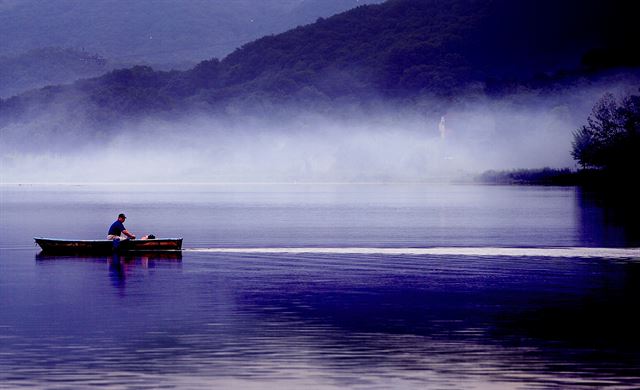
(611, 138)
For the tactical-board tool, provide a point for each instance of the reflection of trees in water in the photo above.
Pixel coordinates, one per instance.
(608, 217)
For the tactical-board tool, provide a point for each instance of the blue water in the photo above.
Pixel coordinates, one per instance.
(203, 319)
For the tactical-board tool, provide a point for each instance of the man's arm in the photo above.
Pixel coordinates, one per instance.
(126, 233)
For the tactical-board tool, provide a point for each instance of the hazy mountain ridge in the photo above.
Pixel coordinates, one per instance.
(48, 66)
(41, 40)
(153, 31)
(402, 49)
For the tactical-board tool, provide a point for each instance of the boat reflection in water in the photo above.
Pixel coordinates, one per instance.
(121, 266)
(144, 258)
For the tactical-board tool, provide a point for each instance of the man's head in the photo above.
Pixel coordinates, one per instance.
(121, 217)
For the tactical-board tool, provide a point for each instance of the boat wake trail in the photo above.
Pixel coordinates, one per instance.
(610, 253)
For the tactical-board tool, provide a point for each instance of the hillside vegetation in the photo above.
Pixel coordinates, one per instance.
(402, 49)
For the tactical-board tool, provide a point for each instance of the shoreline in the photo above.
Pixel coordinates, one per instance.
(555, 177)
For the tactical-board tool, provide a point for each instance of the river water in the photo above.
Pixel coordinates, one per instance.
(324, 286)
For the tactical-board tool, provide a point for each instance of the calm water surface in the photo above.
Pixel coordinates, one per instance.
(323, 320)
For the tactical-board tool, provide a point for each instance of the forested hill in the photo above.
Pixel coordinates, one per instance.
(434, 46)
(401, 48)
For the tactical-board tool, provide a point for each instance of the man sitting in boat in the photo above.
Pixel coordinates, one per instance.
(117, 231)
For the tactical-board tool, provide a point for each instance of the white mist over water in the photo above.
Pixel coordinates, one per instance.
(392, 144)
(320, 149)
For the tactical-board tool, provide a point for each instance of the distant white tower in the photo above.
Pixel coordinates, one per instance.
(442, 128)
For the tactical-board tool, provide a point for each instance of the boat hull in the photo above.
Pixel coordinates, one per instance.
(51, 245)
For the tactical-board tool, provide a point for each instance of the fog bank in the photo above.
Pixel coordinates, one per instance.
(387, 145)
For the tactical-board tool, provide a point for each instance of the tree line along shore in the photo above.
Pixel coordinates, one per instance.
(607, 149)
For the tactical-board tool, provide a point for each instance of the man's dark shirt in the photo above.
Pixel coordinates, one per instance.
(116, 228)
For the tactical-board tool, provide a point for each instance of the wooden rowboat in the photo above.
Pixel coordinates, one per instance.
(55, 245)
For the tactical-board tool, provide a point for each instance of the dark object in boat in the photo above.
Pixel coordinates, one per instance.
(54, 245)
